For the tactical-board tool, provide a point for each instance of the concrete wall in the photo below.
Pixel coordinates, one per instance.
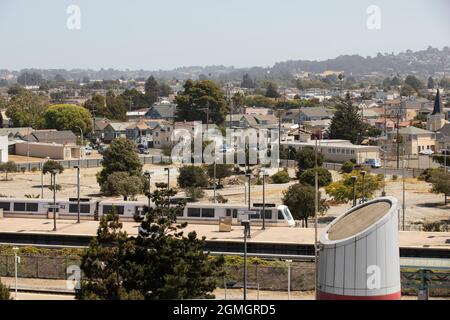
(3, 149)
(43, 150)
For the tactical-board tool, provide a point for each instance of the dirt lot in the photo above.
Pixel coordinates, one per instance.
(421, 204)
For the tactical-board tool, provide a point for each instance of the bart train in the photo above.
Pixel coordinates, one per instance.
(193, 212)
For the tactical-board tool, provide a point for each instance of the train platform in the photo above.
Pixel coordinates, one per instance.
(272, 235)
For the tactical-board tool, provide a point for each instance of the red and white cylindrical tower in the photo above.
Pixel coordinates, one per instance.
(359, 255)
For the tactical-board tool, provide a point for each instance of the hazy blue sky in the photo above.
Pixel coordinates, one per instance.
(150, 34)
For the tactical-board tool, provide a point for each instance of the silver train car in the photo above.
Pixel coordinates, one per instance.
(201, 213)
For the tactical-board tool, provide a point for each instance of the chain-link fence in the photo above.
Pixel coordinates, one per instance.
(282, 277)
(39, 267)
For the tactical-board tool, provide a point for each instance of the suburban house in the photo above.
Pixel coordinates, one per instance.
(6, 122)
(443, 138)
(414, 140)
(258, 111)
(137, 114)
(115, 130)
(52, 136)
(99, 127)
(316, 113)
(164, 110)
(235, 121)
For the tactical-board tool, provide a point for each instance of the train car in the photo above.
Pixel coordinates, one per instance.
(359, 255)
(206, 213)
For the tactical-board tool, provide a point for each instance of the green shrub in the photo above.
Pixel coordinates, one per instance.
(324, 177)
(281, 177)
(4, 292)
(347, 167)
(394, 177)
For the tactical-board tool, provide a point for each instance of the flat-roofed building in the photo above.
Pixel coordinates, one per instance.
(54, 151)
(3, 149)
(338, 151)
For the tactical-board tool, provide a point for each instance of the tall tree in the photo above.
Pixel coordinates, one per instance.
(27, 110)
(199, 96)
(123, 184)
(414, 82)
(440, 180)
(300, 199)
(221, 171)
(431, 84)
(119, 157)
(151, 90)
(247, 82)
(272, 90)
(68, 117)
(192, 176)
(160, 263)
(347, 123)
(306, 159)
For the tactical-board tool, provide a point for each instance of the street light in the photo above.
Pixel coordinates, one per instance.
(53, 175)
(289, 278)
(246, 224)
(148, 174)
(168, 186)
(82, 144)
(363, 173)
(42, 178)
(264, 175)
(354, 190)
(78, 193)
(16, 262)
(249, 176)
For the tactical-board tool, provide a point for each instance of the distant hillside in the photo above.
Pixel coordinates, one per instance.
(425, 63)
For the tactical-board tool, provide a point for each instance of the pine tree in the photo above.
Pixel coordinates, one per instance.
(161, 263)
(347, 123)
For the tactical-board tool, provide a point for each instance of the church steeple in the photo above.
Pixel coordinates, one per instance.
(437, 104)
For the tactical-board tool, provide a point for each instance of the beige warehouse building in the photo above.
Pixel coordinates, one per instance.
(339, 151)
(52, 150)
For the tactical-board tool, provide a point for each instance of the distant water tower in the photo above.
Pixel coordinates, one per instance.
(359, 255)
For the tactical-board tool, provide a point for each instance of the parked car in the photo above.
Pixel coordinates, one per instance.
(374, 163)
(427, 152)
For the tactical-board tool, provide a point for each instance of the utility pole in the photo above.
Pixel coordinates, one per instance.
(316, 210)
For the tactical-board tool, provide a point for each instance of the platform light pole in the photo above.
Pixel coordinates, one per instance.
(264, 175)
(53, 174)
(148, 175)
(16, 262)
(246, 224)
(42, 178)
(249, 176)
(168, 186)
(354, 190)
(78, 193)
(363, 199)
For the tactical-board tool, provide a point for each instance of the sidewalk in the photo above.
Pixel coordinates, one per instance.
(38, 285)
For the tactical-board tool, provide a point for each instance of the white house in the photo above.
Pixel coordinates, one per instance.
(3, 149)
